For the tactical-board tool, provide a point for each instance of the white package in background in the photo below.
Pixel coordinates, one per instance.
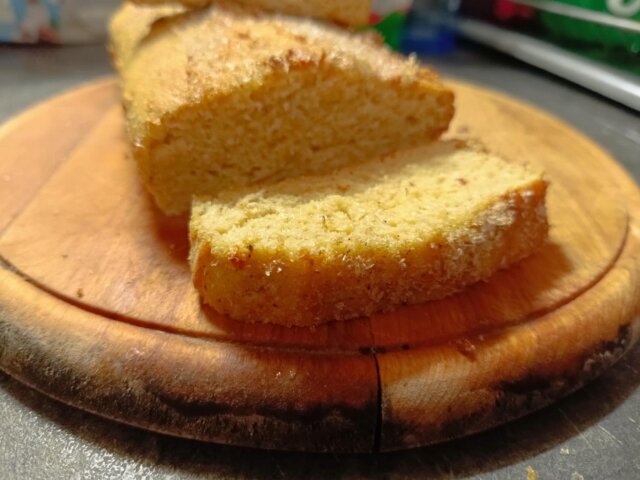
(55, 21)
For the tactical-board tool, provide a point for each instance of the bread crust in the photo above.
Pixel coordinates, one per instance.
(345, 12)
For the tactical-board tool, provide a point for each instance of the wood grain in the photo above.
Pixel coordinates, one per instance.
(97, 308)
(70, 116)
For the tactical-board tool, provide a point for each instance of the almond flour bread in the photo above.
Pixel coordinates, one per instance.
(231, 96)
(347, 12)
(402, 229)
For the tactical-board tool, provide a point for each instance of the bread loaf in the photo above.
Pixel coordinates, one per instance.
(231, 96)
(401, 229)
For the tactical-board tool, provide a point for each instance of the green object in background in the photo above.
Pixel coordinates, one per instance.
(603, 35)
(391, 28)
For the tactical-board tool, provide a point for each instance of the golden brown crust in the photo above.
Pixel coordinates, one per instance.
(131, 24)
(346, 12)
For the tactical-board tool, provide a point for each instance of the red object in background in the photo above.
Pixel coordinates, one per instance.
(507, 10)
(500, 10)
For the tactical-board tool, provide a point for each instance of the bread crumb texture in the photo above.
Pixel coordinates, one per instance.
(401, 229)
(231, 96)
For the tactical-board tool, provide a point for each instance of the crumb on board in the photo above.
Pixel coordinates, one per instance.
(531, 473)
(80, 293)
(466, 348)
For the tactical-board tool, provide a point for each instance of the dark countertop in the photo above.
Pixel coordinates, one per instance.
(593, 434)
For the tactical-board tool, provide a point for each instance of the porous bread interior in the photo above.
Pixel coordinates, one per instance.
(304, 122)
(268, 96)
(402, 229)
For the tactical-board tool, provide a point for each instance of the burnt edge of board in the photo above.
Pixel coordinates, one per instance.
(514, 399)
(336, 427)
(333, 427)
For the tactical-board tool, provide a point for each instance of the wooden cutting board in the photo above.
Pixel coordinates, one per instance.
(97, 309)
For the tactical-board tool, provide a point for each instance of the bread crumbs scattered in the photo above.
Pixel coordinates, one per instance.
(80, 293)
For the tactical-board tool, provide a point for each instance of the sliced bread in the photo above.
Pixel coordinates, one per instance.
(402, 229)
(231, 96)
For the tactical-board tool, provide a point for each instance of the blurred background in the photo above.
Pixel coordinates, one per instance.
(594, 43)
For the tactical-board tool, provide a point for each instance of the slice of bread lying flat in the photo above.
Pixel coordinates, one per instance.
(402, 229)
(347, 12)
(231, 96)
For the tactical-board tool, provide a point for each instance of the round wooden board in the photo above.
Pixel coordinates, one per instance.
(97, 308)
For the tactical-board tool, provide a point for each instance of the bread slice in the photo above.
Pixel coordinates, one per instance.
(347, 12)
(229, 96)
(402, 229)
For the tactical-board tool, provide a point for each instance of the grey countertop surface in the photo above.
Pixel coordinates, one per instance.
(593, 434)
